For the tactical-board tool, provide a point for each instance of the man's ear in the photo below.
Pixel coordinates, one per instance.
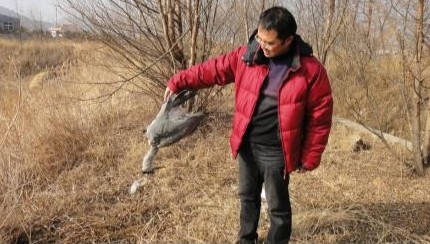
(289, 40)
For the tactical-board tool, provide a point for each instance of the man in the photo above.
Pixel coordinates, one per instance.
(282, 118)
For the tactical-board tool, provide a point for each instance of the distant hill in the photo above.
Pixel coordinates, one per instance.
(7, 12)
(26, 22)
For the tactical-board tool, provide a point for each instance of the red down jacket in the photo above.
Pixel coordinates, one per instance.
(305, 103)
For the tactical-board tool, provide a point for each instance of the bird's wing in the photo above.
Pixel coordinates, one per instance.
(175, 130)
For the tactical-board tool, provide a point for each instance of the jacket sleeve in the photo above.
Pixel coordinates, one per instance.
(318, 120)
(217, 71)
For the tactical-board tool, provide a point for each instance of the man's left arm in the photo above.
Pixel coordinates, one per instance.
(318, 120)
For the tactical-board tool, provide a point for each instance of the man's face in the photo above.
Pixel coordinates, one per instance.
(270, 43)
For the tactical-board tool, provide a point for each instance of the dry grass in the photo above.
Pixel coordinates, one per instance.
(65, 169)
(373, 91)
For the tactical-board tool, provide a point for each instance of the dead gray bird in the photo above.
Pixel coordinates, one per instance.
(171, 124)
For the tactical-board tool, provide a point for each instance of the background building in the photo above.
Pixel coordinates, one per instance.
(9, 24)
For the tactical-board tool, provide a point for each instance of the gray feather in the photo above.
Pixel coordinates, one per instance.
(171, 124)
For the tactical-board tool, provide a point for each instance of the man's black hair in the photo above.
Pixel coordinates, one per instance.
(280, 20)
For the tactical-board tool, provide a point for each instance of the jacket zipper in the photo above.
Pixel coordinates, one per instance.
(279, 114)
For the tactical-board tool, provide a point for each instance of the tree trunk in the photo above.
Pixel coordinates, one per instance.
(245, 19)
(418, 79)
(193, 18)
(194, 32)
(426, 147)
(416, 129)
(327, 30)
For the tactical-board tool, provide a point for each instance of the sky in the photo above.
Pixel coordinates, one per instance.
(35, 9)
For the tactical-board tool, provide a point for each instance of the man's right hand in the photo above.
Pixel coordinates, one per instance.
(301, 169)
(167, 94)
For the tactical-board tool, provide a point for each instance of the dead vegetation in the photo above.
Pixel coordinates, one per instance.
(66, 166)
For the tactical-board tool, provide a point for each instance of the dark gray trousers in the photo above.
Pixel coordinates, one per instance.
(258, 164)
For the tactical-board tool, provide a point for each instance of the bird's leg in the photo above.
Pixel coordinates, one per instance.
(147, 169)
(139, 182)
(148, 160)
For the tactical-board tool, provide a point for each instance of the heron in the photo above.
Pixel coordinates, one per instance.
(172, 123)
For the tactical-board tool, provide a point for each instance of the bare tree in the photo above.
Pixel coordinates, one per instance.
(382, 75)
(411, 44)
(356, 75)
(419, 93)
(150, 40)
(322, 22)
